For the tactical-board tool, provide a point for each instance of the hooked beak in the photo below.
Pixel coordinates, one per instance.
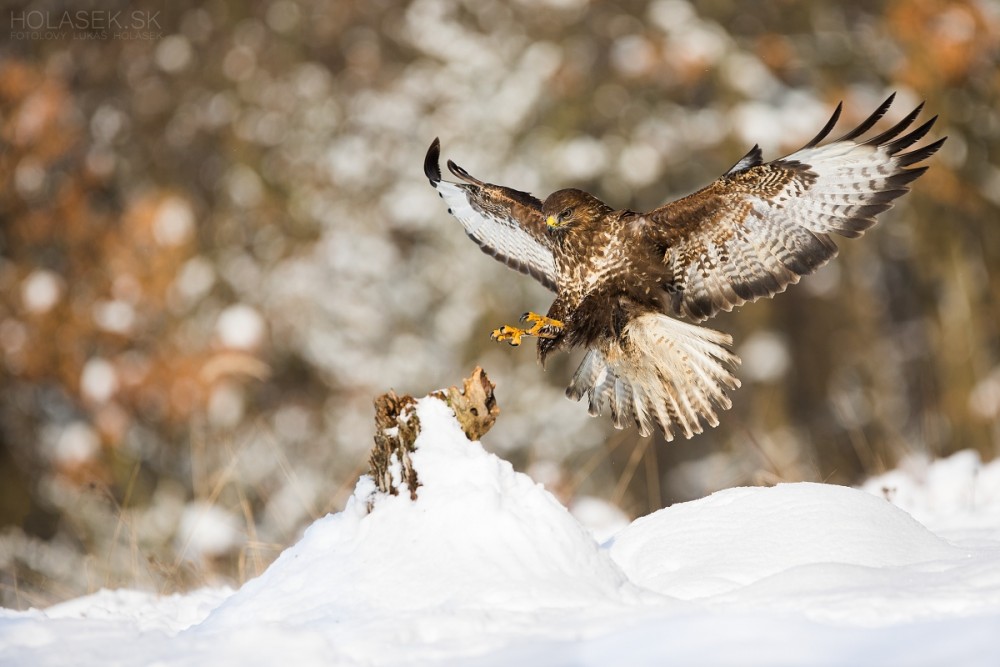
(551, 222)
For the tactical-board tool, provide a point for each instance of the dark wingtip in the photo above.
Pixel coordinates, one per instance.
(828, 127)
(897, 129)
(463, 174)
(753, 158)
(869, 122)
(920, 154)
(431, 167)
(913, 137)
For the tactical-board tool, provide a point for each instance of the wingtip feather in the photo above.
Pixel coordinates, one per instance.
(431, 167)
(897, 129)
(828, 127)
(920, 154)
(753, 158)
(463, 174)
(869, 122)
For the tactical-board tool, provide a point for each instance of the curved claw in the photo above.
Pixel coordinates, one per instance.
(508, 333)
(541, 327)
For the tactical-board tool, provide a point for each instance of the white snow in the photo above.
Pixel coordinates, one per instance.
(73, 444)
(116, 316)
(487, 568)
(765, 357)
(41, 290)
(598, 516)
(207, 530)
(174, 222)
(241, 327)
(98, 380)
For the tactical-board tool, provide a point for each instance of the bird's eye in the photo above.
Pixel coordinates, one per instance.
(566, 213)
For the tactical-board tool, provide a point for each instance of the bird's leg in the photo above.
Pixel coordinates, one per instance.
(541, 327)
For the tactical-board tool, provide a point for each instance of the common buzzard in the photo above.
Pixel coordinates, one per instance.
(621, 277)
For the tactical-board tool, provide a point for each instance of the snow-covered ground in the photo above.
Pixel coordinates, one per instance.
(487, 568)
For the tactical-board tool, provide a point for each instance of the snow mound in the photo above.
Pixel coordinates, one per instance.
(485, 567)
(950, 495)
(480, 537)
(146, 611)
(738, 536)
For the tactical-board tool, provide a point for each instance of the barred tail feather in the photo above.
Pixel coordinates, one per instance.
(660, 371)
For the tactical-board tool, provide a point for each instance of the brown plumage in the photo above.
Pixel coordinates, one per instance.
(619, 275)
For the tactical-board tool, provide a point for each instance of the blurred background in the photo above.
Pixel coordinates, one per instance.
(217, 246)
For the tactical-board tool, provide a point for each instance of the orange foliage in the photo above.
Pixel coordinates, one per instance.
(943, 40)
(67, 228)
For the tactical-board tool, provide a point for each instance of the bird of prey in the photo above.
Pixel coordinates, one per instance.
(622, 278)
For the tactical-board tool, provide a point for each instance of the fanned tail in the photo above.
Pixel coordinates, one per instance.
(661, 371)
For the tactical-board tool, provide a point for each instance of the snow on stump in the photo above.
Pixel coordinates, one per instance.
(442, 534)
(397, 427)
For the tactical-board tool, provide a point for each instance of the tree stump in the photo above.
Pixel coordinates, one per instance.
(397, 427)
(474, 404)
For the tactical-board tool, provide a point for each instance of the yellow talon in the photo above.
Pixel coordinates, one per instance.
(541, 327)
(508, 333)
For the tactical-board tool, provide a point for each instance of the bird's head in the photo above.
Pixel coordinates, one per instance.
(565, 209)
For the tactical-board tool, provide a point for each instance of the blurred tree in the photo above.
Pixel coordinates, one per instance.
(216, 246)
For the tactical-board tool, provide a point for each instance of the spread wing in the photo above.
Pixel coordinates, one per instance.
(506, 223)
(762, 226)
